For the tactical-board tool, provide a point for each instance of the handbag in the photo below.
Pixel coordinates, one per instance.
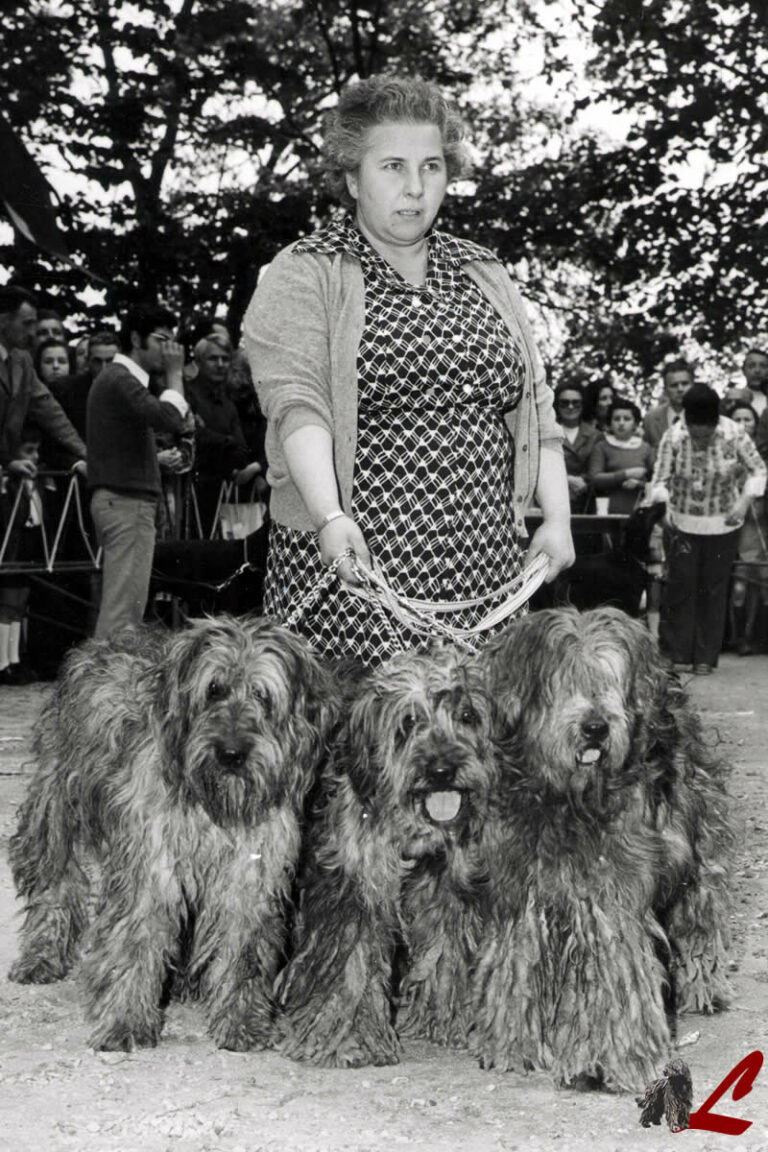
(238, 516)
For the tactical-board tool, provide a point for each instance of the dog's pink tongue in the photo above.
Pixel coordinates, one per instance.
(443, 806)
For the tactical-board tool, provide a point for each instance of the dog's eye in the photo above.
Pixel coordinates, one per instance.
(261, 697)
(407, 725)
(217, 690)
(469, 717)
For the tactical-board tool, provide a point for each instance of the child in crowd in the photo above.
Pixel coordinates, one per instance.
(621, 462)
(21, 522)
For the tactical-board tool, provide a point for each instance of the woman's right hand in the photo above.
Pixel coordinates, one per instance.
(339, 536)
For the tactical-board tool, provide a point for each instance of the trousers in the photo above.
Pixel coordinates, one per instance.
(694, 601)
(125, 530)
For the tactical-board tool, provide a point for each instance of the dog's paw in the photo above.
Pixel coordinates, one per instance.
(359, 1052)
(504, 1061)
(123, 1037)
(696, 997)
(37, 970)
(234, 1036)
(336, 1048)
(583, 1082)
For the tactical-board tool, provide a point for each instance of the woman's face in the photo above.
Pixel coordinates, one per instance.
(400, 184)
(54, 362)
(569, 406)
(81, 355)
(747, 420)
(605, 398)
(623, 424)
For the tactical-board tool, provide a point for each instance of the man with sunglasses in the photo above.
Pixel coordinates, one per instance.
(123, 471)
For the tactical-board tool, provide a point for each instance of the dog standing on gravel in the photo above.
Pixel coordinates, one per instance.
(616, 838)
(397, 865)
(179, 763)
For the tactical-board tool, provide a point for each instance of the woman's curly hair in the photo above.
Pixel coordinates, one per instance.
(381, 100)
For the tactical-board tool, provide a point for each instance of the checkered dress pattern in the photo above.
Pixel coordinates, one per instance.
(437, 369)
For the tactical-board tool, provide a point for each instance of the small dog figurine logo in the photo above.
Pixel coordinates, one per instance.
(671, 1096)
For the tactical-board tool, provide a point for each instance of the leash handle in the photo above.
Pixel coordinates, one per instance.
(420, 615)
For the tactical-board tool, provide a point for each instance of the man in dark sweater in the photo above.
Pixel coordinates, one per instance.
(123, 472)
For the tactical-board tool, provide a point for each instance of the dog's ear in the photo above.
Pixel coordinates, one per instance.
(668, 734)
(314, 690)
(505, 668)
(325, 697)
(357, 749)
(174, 676)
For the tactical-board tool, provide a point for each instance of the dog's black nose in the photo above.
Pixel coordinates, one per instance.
(232, 756)
(441, 773)
(595, 729)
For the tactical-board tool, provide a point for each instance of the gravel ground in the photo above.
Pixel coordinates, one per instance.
(185, 1096)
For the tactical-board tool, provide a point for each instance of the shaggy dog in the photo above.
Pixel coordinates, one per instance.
(397, 864)
(616, 833)
(179, 762)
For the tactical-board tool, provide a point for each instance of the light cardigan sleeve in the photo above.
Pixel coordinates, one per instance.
(286, 339)
(550, 432)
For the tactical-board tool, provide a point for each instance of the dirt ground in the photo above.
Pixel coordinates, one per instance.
(186, 1096)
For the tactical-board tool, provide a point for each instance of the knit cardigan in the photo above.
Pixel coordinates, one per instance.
(302, 331)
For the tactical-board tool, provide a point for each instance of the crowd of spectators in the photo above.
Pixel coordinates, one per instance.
(175, 416)
(153, 416)
(704, 456)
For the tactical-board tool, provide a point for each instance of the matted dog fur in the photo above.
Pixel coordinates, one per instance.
(616, 836)
(180, 763)
(397, 862)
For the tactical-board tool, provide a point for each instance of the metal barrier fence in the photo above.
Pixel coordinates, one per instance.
(69, 544)
(234, 518)
(51, 538)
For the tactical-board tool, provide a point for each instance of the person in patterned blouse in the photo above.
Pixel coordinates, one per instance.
(408, 418)
(707, 470)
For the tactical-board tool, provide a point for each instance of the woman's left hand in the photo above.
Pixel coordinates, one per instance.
(554, 538)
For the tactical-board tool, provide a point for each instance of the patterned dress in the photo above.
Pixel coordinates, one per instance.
(432, 494)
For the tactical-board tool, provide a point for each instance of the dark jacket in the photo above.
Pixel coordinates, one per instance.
(72, 393)
(761, 436)
(577, 454)
(122, 415)
(24, 397)
(221, 444)
(655, 424)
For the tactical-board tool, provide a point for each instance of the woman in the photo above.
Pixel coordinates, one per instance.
(52, 361)
(621, 462)
(598, 399)
(749, 588)
(407, 414)
(708, 471)
(579, 440)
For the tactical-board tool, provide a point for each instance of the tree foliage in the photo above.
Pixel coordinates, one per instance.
(693, 74)
(194, 127)
(197, 122)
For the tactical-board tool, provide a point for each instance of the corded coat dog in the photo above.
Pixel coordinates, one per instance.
(397, 865)
(616, 837)
(179, 763)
